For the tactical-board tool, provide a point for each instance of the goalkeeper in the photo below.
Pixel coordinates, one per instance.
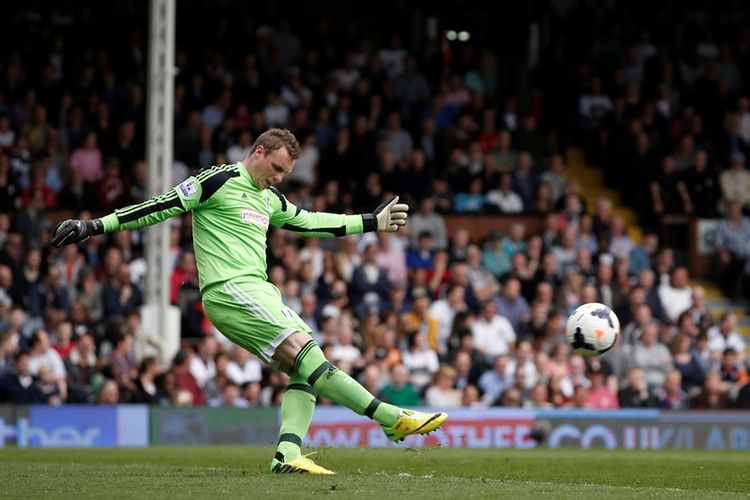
(233, 206)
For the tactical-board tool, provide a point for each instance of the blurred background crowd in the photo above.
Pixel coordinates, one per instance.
(654, 96)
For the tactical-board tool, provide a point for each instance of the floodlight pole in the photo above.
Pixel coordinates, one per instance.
(159, 152)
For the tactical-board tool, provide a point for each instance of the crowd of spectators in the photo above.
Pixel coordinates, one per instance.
(424, 316)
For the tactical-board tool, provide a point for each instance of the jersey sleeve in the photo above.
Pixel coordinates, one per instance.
(316, 224)
(176, 201)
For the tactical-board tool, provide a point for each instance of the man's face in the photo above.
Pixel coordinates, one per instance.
(270, 169)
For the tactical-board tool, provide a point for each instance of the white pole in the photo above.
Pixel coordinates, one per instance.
(159, 153)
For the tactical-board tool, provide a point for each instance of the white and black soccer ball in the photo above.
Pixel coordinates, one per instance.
(592, 329)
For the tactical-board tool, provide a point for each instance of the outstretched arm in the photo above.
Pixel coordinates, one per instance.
(184, 197)
(389, 216)
(149, 212)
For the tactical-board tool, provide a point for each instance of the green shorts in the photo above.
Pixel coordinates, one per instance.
(251, 314)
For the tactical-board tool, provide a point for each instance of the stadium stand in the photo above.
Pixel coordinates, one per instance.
(585, 175)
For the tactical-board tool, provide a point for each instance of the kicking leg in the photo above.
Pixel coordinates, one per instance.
(307, 360)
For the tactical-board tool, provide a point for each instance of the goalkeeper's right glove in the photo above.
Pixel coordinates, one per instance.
(389, 216)
(74, 230)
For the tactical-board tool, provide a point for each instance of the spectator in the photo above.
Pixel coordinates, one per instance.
(108, 393)
(494, 258)
(420, 361)
(369, 283)
(538, 397)
(652, 356)
(472, 201)
(189, 392)
(671, 396)
(600, 395)
(511, 304)
(244, 367)
(703, 186)
(88, 159)
(641, 256)
(113, 191)
(202, 366)
(120, 295)
(146, 390)
(713, 396)
(420, 319)
(344, 352)
(18, 386)
(392, 258)
(123, 367)
(421, 256)
(733, 372)
(731, 244)
(676, 297)
(442, 394)
(81, 367)
(725, 336)
(691, 372)
(493, 334)
(64, 343)
(399, 391)
(444, 311)
(427, 220)
(483, 283)
(43, 355)
(231, 397)
(635, 394)
(735, 182)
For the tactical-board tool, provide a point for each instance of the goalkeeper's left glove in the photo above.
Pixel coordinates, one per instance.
(389, 216)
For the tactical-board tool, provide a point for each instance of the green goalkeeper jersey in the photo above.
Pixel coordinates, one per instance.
(231, 217)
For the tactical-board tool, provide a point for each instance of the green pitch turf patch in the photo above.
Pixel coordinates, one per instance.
(234, 472)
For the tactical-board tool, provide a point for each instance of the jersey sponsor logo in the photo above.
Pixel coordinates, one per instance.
(187, 189)
(252, 217)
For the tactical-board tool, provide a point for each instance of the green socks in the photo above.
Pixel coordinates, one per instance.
(331, 383)
(296, 412)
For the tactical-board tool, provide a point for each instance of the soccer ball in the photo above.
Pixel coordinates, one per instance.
(592, 329)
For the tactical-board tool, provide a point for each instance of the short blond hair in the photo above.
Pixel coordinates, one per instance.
(277, 138)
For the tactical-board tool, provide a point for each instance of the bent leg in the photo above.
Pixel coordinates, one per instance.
(307, 360)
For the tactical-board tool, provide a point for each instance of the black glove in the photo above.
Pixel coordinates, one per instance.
(74, 230)
(389, 216)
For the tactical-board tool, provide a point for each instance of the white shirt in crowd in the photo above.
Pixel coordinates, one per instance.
(201, 370)
(493, 337)
(675, 300)
(421, 365)
(51, 359)
(718, 342)
(250, 371)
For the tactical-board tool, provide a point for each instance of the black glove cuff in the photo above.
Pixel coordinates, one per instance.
(369, 223)
(97, 226)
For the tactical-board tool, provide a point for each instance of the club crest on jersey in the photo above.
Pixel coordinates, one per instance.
(252, 217)
(187, 189)
(268, 205)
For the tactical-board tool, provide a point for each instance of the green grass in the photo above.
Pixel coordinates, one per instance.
(233, 472)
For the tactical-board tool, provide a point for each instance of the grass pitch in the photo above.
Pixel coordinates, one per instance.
(242, 472)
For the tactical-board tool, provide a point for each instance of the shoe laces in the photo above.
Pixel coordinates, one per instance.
(305, 459)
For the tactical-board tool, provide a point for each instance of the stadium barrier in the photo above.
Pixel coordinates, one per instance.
(74, 426)
(512, 428)
(138, 425)
(203, 425)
